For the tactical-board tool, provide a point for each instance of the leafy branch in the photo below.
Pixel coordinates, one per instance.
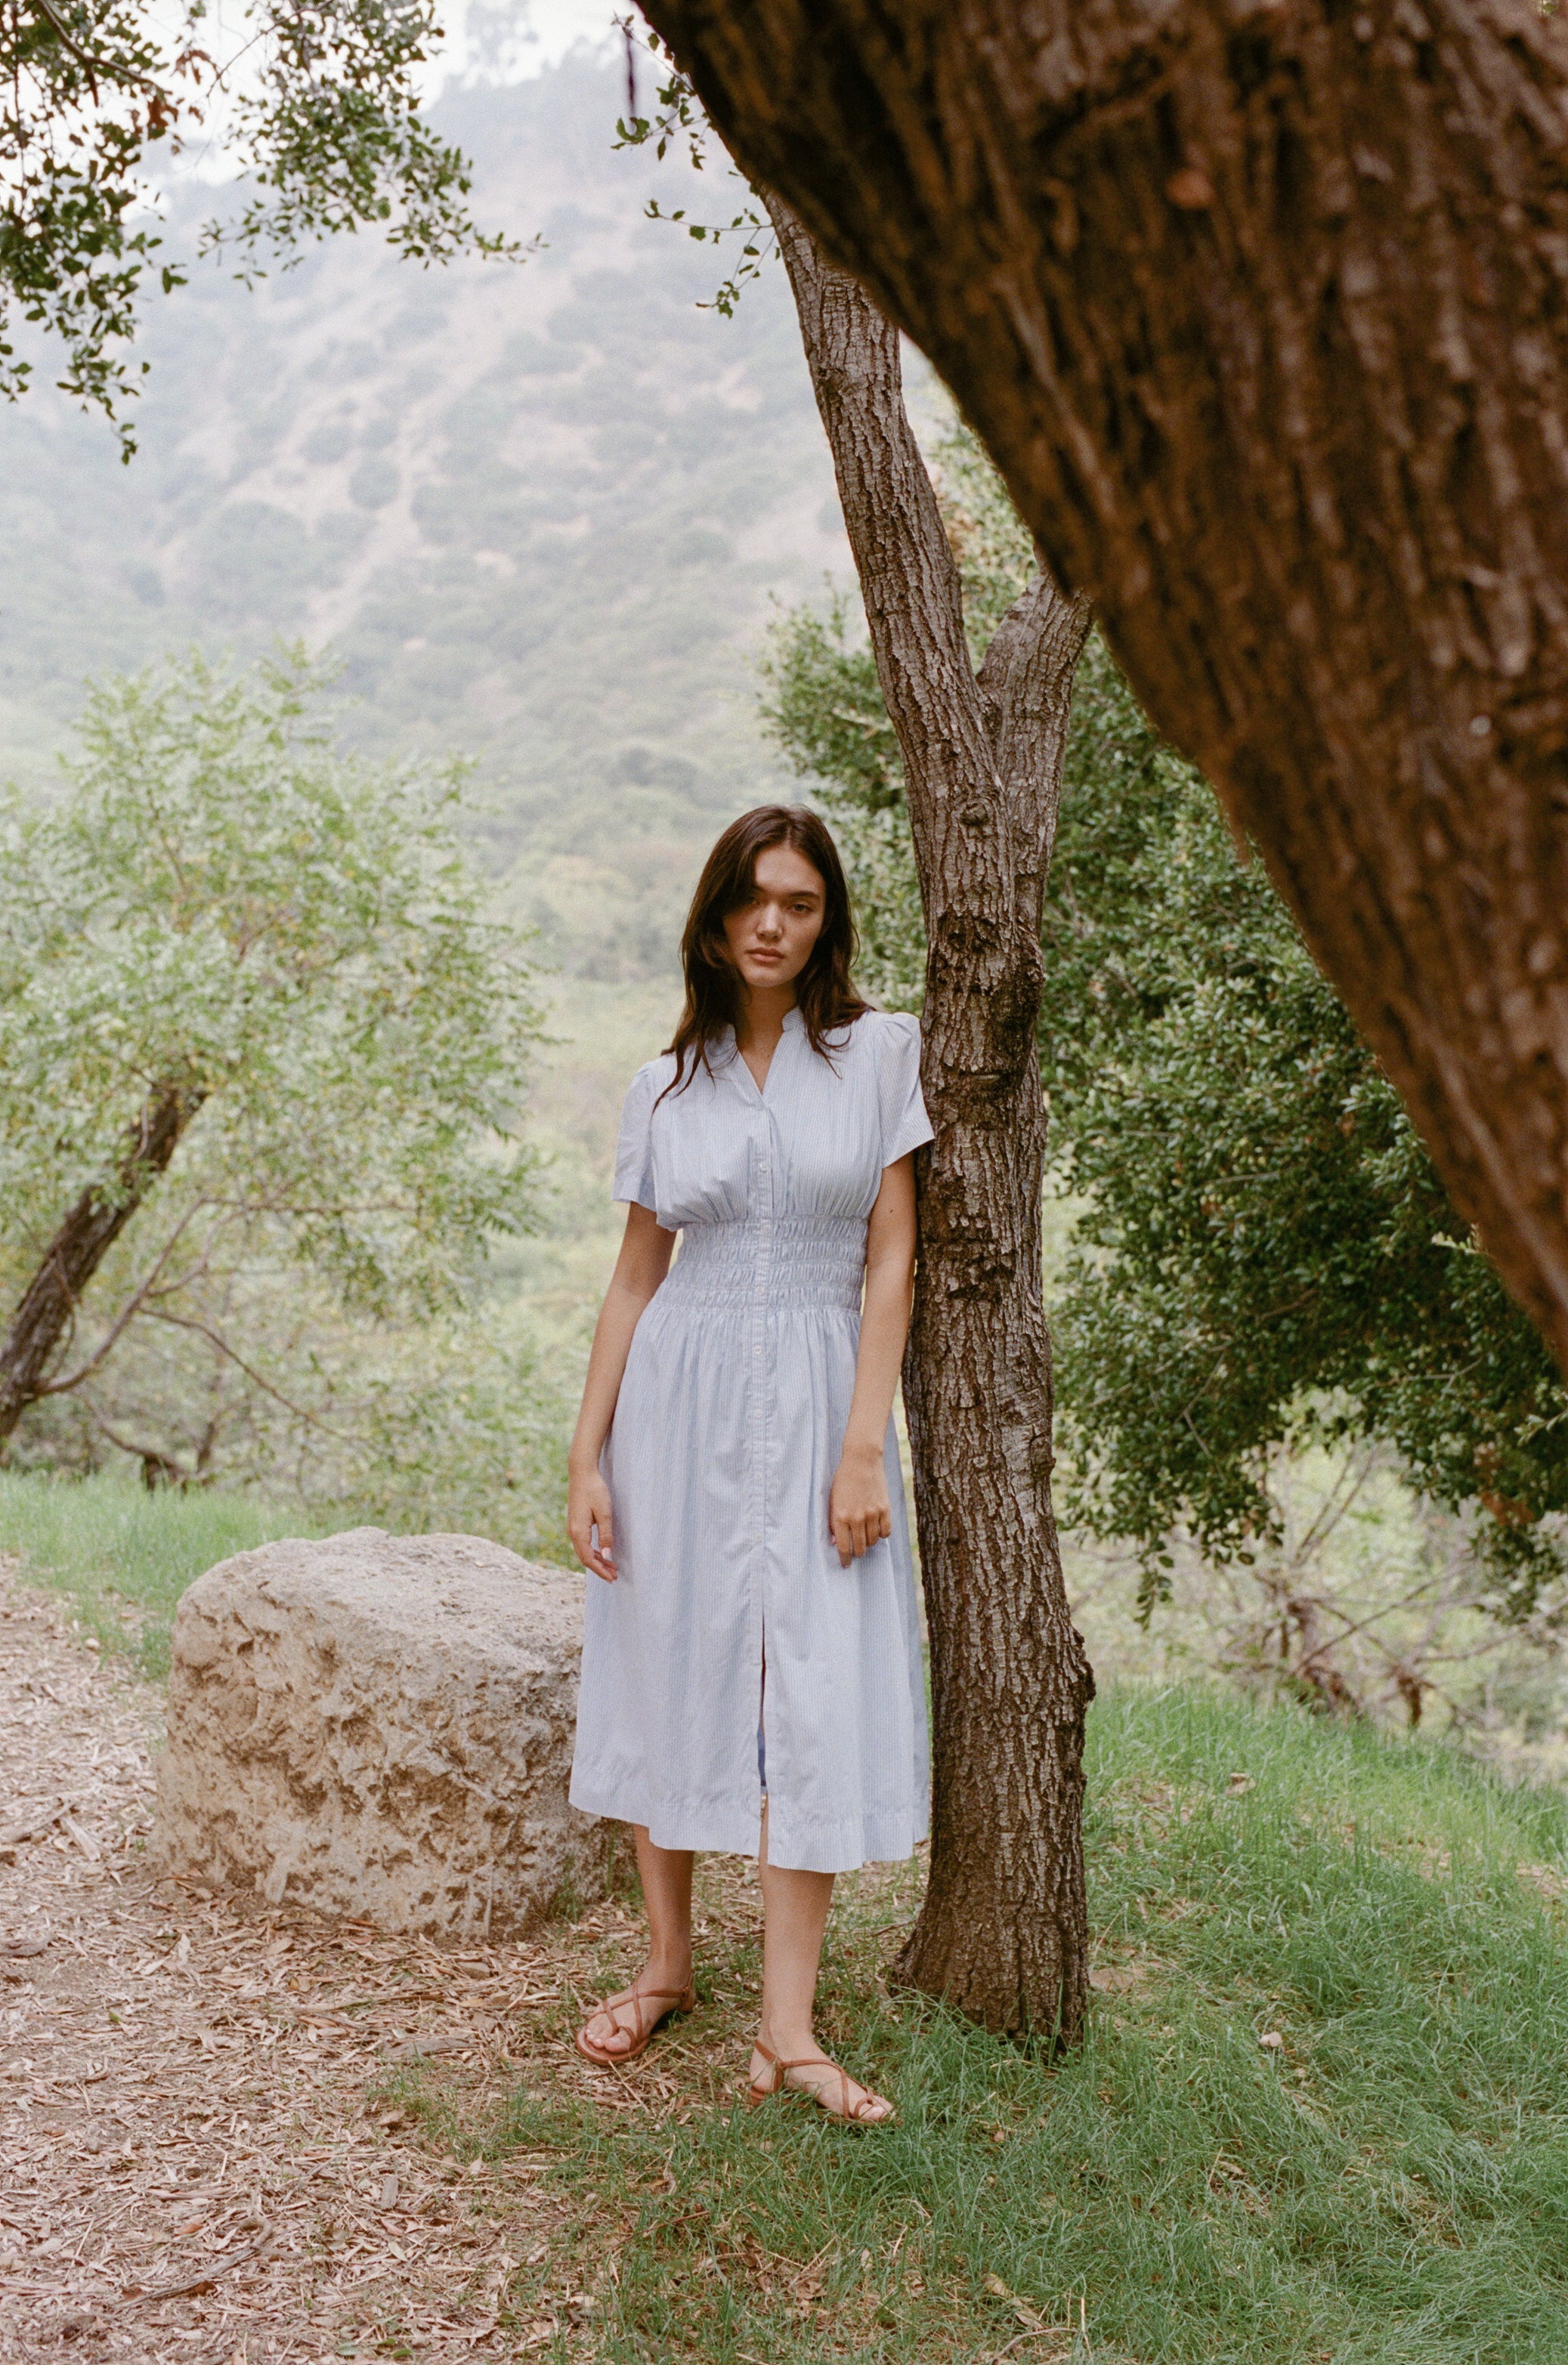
(678, 120)
(325, 118)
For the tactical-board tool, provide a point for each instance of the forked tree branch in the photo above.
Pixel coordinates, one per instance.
(1001, 1932)
(46, 1312)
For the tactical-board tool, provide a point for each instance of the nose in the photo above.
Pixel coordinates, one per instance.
(770, 921)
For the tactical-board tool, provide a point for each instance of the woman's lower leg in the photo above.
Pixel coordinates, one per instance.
(794, 1911)
(794, 1908)
(665, 1874)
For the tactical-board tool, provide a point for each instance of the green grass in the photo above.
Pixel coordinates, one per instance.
(121, 1556)
(1388, 2186)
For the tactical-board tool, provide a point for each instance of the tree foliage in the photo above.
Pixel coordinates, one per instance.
(1262, 1252)
(223, 912)
(319, 104)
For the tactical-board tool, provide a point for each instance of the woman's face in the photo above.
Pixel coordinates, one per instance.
(771, 934)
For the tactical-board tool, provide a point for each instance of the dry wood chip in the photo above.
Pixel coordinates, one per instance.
(33, 1822)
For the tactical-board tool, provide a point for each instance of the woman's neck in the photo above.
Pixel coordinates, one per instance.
(760, 1013)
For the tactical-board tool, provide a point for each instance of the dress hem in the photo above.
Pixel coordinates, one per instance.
(795, 1842)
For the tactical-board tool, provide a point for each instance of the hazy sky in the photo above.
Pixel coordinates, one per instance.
(515, 40)
(556, 24)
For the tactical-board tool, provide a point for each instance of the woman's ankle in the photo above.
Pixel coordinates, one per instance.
(667, 1968)
(796, 2045)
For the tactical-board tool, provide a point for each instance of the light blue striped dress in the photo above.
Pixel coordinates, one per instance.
(726, 1436)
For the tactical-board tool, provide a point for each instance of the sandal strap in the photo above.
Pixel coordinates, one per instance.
(779, 2074)
(636, 2000)
(860, 2110)
(776, 2070)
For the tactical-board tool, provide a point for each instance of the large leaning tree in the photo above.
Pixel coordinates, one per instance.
(1001, 1932)
(1261, 306)
(257, 1038)
(317, 101)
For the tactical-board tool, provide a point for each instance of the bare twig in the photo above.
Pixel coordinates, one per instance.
(139, 1300)
(214, 1339)
(204, 2280)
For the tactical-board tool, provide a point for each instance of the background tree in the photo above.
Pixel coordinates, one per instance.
(1001, 1932)
(1259, 310)
(1262, 1254)
(319, 103)
(261, 1060)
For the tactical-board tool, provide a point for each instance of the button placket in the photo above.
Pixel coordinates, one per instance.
(761, 1279)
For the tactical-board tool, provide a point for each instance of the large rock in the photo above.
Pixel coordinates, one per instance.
(381, 1726)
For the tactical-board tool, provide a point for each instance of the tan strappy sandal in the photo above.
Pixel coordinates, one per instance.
(853, 2114)
(669, 2000)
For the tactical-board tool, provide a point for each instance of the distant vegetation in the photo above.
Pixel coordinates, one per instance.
(262, 1059)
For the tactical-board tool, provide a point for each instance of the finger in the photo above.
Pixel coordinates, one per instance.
(841, 1539)
(586, 1543)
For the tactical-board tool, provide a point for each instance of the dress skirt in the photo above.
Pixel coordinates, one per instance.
(727, 1433)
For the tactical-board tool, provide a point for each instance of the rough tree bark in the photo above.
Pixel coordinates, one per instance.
(47, 1310)
(1002, 1933)
(1261, 306)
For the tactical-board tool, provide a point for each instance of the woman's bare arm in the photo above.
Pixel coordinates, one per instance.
(858, 1510)
(640, 1268)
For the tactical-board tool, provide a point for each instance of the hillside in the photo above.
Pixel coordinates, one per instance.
(538, 513)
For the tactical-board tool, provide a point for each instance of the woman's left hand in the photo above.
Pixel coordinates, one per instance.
(859, 1510)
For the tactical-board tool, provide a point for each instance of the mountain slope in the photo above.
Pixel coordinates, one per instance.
(537, 511)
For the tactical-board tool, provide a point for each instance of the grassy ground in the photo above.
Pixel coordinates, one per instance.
(1322, 2112)
(1385, 2184)
(122, 1556)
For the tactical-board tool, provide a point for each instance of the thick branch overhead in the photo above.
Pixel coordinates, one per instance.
(1261, 306)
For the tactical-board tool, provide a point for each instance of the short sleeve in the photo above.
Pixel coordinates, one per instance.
(905, 1124)
(635, 1148)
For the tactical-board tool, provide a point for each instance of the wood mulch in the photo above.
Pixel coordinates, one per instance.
(202, 2156)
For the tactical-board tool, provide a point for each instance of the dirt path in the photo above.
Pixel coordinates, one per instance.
(199, 2147)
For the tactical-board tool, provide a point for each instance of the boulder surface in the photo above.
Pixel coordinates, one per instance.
(381, 1726)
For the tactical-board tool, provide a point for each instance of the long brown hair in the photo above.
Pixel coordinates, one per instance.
(824, 994)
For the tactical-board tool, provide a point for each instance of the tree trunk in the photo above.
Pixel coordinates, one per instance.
(1002, 1933)
(1261, 306)
(47, 1308)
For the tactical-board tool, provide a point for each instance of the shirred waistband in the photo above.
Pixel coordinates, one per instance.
(791, 1261)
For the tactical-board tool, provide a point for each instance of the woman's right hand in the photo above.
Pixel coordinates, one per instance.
(587, 1508)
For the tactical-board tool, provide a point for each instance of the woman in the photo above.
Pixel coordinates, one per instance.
(751, 1662)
